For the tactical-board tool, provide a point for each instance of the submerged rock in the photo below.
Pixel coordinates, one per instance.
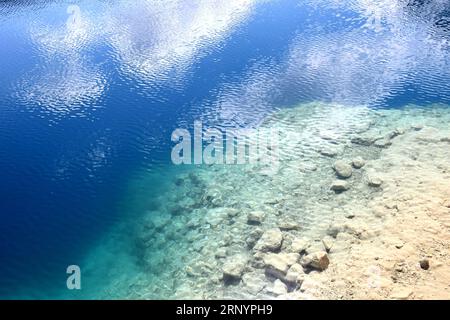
(271, 240)
(339, 186)
(233, 268)
(295, 275)
(299, 245)
(254, 236)
(289, 225)
(343, 169)
(382, 143)
(279, 288)
(254, 282)
(277, 265)
(317, 260)
(358, 163)
(329, 152)
(374, 181)
(363, 140)
(255, 217)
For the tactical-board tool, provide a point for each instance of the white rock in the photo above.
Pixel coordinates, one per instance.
(382, 143)
(233, 268)
(299, 245)
(255, 217)
(277, 264)
(328, 242)
(343, 169)
(374, 181)
(254, 282)
(289, 225)
(329, 152)
(279, 288)
(295, 275)
(271, 240)
(358, 162)
(339, 186)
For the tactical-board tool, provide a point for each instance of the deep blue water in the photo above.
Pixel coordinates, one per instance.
(86, 106)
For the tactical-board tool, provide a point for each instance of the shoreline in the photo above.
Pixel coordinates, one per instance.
(360, 200)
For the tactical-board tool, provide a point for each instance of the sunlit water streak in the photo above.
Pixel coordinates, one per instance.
(91, 91)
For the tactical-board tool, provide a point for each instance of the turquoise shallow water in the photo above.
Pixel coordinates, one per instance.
(92, 90)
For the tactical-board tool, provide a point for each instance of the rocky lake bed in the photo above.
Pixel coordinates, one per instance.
(357, 208)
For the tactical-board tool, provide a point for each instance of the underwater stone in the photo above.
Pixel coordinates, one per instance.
(279, 288)
(343, 169)
(277, 264)
(299, 245)
(221, 253)
(254, 282)
(289, 225)
(382, 143)
(358, 162)
(328, 152)
(295, 275)
(374, 181)
(271, 240)
(233, 268)
(254, 236)
(317, 260)
(363, 140)
(255, 217)
(339, 186)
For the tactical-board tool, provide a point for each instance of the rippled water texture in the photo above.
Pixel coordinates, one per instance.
(90, 92)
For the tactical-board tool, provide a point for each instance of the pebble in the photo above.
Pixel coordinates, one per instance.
(289, 225)
(374, 181)
(343, 169)
(255, 217)
(382, 143)
(339, 186)
(233, 268)
(424, 264)
(299, 245)
(271, 240)
(328, 153)
(279, 288)
(358, 163)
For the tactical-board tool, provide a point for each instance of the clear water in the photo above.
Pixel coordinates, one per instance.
(90, 92)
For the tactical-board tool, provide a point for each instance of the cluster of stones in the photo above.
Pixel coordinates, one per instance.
(286, 268)
(344, 169)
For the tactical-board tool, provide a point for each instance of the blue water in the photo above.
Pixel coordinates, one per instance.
(88, 100)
